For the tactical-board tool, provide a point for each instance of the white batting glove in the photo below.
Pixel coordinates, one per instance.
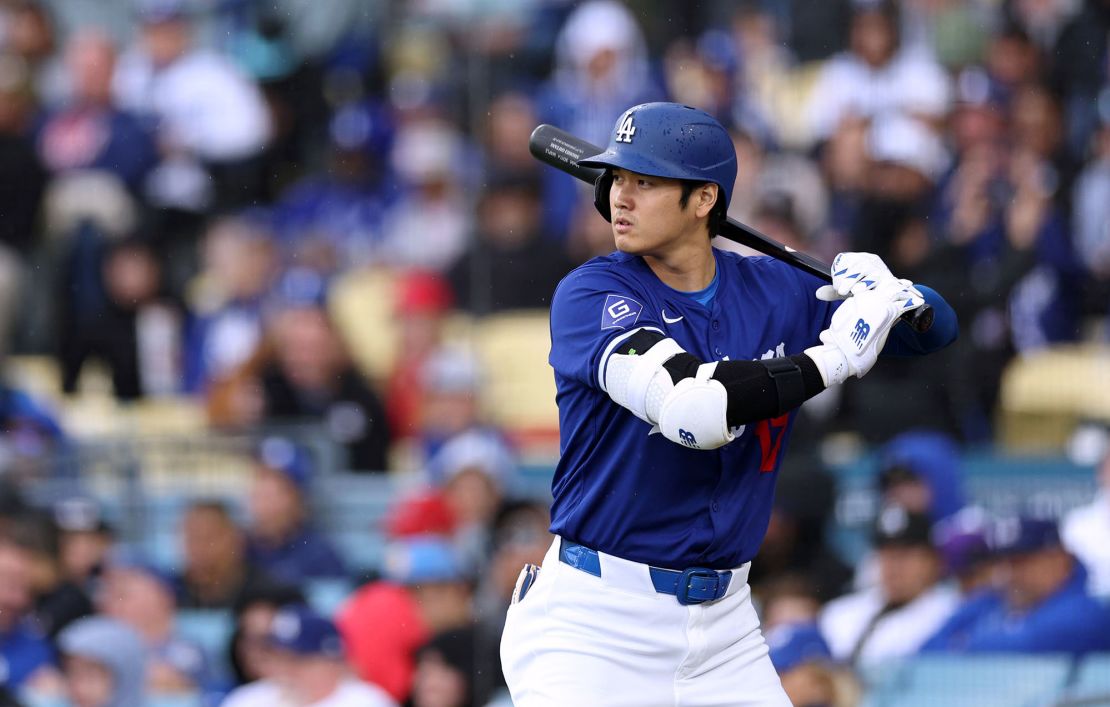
(856, 272)
(858, 332)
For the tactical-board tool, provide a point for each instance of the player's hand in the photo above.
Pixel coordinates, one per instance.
(857, 272)
(858, 331)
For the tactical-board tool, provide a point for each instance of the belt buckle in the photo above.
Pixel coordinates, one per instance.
(682, 592)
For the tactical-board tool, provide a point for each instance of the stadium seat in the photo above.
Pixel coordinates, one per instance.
(1092, 679)
(978, 681)
(521, 397)
(210, 629)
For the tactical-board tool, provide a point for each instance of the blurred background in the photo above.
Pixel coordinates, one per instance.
(273, 329)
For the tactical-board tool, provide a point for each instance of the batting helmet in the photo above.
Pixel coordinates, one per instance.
(667, 140)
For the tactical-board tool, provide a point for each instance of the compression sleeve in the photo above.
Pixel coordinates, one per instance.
(757, 390)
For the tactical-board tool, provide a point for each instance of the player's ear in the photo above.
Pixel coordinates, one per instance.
(705, 196)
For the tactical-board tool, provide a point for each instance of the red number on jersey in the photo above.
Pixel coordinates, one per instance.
(770, 448)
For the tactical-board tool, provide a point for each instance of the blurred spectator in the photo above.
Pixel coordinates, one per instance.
(24, 181)
(143, 597)
(1042, 607)
(137, 332)
(423, 591)
(335, 217)
(1091, 213)
(58, 600)
(383, 627)
(311, 376)
(239, 266)
(520, 536)
(909, 604)
(601, 68)
(281, 539)
(309, 668)
(89, 132)
(104, 663)
(254, 610)
(432, 571)
(30, 437)
(877, 76)
(512, 118)
(451, 381)
(475, 468)
(85, 541)
(215, 570)
(25, 654)
(804, 663)
(511, 263)
(921, 471)
(427, 226)
(457, 668)
(795, 542)
(1079, 71)
(1085, 530)
(207, 113)
(423, 303)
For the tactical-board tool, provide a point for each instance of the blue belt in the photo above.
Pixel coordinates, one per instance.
(695, 585)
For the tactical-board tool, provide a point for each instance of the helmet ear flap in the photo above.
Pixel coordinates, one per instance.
(602, 184)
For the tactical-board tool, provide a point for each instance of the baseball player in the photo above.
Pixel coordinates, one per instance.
(678, 368)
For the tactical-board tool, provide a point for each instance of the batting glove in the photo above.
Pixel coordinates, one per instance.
(858, 332)
(856, 272)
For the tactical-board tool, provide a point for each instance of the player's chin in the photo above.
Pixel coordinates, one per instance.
(628, 243)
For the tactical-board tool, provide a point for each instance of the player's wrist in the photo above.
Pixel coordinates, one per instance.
(831, 363)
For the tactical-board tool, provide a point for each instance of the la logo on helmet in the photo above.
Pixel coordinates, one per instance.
(626, 129)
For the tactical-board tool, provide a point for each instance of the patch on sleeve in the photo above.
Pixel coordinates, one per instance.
(620, 312)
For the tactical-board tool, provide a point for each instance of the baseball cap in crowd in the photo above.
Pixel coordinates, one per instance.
(903, 140)
(451, 369)
(791, 645)
(897, 527)
(479, 449)
(80, 514)
(186, 658)
(1024, 535)
(128, 560)
(298, 629)
(285, 456)
(426, 513)
(422, 560)
(298, 288)
(962, 539)
(422, 292)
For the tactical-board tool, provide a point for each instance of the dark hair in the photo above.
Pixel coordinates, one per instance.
(720, 211)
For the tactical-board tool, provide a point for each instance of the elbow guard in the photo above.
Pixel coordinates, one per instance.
(691, 413)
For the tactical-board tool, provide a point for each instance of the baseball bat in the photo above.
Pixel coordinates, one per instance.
(562, 150)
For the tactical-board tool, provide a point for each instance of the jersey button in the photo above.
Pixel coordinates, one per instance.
(716, 325)
(716, 507)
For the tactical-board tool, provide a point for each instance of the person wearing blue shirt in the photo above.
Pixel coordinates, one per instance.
(1043, 607)
(678, 368)
(281, 540)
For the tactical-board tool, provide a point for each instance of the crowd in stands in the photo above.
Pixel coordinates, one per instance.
(188, 189)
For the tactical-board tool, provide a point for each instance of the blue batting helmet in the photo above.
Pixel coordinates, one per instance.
(667, 140)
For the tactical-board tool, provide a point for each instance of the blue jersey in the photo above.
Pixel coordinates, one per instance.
(624, 491)
(621, 490)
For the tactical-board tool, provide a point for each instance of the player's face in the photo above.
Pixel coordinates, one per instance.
(648, 218)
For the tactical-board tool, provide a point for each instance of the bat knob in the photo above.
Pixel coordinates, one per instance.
(921, 319)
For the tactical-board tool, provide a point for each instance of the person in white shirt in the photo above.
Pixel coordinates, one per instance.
(909, 604)
(877, 76)
(1085, 531)
(308, 668)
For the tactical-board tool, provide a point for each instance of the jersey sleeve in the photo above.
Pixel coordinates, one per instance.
(592, 309)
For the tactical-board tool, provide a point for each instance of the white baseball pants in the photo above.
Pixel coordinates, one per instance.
(576, 640)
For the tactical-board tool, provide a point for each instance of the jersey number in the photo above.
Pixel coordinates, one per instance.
(765, 430)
